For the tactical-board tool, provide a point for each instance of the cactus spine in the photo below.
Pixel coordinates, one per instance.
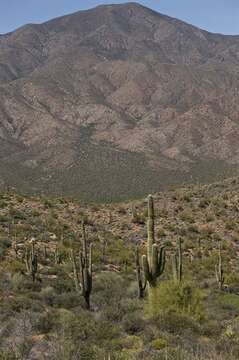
(83, 272)
(141, 282)
(31, 260)
(154, 261)
(177, 262)
(219, 270)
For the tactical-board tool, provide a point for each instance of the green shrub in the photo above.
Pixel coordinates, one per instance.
(209, 217)
(174, 297)
(17, 281)
(47, 295)
(161, 232)
(231, 224)
(132, 323)
(232, 278)
(229, 302)
(204, 203)
(187, 217)
(176, 323)
(193, 229)
(15, 266)
(159, 344)
(4, 219)
(17, 214)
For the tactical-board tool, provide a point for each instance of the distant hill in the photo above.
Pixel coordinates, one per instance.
(115, 102)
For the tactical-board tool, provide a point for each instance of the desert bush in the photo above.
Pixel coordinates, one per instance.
(159, 344)
(47, 295)
(231, 224)
(187, 217)
(229, 302)
(133, 323)
(171, 297)
(17, 281)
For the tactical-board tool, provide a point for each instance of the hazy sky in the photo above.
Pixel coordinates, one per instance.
(213, 15)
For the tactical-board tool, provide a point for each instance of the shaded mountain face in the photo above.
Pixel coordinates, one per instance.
(115, 102)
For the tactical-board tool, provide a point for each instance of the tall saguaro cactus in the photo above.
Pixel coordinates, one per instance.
(154, 261)
(83, 271)
(31, 260)
(177, 262)
(219, 270)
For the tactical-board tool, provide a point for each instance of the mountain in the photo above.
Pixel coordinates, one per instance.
(116, 101)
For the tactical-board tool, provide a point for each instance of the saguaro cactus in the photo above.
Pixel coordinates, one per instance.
(57, 256)
(14, 246)
(219, 270)
(141, 282)
(83, 271)
(134, 216)
(31, 260)
(177, 262)
(154, 261)
(45, 252)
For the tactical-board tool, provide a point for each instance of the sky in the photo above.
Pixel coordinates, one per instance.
(220, 16)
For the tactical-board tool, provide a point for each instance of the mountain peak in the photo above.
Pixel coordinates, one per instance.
(117, 97)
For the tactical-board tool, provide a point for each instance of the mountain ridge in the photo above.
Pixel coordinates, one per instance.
(118, 95)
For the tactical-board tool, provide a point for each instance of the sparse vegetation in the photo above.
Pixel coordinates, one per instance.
(189, 314)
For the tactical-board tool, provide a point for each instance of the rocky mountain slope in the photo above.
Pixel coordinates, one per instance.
(116, 101)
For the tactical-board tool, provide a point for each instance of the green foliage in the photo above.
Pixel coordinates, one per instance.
(17, 281)
(47, 204)
(161, 232)
(15, 266)
(181, 298)
(4, 219)
(133, 323)
(232, 278)
(159, 344)
(229, 301)
(4, 245)
(204, 203)
(17, 214)
(84, 328)
(187, 217)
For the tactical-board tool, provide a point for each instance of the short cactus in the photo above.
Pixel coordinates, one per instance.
(154, 261)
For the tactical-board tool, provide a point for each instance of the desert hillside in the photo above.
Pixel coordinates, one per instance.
(191, 314)
(115, 102)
